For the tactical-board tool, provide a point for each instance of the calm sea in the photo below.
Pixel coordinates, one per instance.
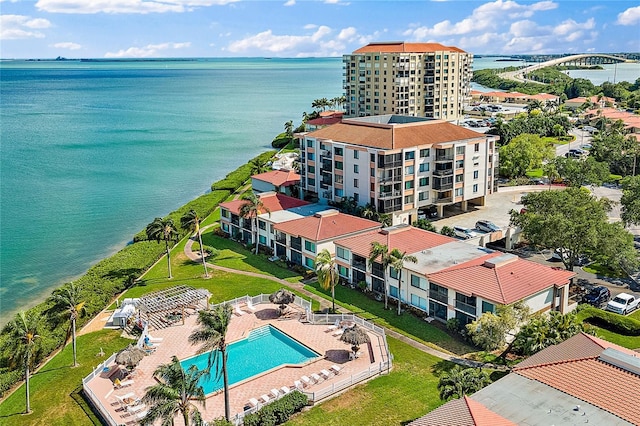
(92, 151)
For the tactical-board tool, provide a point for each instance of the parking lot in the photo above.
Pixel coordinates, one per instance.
(497, 211)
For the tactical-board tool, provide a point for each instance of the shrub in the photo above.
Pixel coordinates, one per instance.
(278, 411)
(610, 321)
(221, 421)
(453, 325)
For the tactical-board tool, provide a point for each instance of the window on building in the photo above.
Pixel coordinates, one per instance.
(475, 187)
(424, 181)
(393, 273)
(488, 307)
(418, 282)
(408, 184)
(309, 246)
(225, 213)
(311, 169)
(424, 167)
(459, 192)
(419, 302)
(262, 225)
(355, 168)
(342, 253)
(476, 148)
(311, 182)
(338, 151)
(356, 154)
(355, 183)
(312, 156)
(475, 174)
(409, 155)
(424, 153)
(409, 170)
(459, 150)
(372, 158)
(356, 197)
(459, 178)
(343, 271)
(423, 196)
(309, 263)
(309, 143)
(338, 165)
(338, 192)
(459, 164)
(408, 199)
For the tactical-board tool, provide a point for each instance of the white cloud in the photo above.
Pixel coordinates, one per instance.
(485, 17)
(125, 6)
(67, 45)
(151, 50)
(290, 3)
(630, 16)
(14, 27)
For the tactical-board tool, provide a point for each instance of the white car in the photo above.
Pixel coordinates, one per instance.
(623, 303)
(465, 233)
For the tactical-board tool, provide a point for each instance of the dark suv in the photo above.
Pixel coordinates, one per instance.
(598, 296)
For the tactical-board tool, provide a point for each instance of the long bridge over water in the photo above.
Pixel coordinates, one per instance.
(583, 59)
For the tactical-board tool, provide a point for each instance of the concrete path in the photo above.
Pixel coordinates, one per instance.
(326, 305)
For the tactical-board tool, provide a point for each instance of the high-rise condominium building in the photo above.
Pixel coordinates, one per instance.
(417, 79)
(401, 165)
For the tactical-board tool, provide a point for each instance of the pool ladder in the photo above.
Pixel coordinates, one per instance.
(258, 333)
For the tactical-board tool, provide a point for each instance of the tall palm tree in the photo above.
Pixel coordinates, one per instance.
(212, 334)
(380, 251)
(69, 299)
(23, 342)
(288, 129)
(459, 382)
(163, 230)
(397, 262)
(258, 166)
(174, 394)
(191, 222)
(250, 209)
(328, 277)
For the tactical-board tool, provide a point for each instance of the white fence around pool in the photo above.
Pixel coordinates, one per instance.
(93, 398)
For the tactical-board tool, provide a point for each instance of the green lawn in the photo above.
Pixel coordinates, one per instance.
(408, 392)
(55, 398)
(407, 324)
(629, 342)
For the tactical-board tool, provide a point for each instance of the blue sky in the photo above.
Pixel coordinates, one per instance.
(301, 28)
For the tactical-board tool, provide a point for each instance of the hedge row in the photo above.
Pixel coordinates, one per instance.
(616, 323)
(278, 411)
(100, 285)
(239, 176)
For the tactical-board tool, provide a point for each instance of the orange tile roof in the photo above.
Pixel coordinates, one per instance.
(326, 225)
(271, 200)
(279, 177)
(402, 47)
(500, 278)
(406, 239)
(396, 136)
(462, 412)
(324, 121)
(331, 113)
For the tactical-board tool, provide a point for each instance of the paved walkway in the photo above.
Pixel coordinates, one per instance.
(326, 305)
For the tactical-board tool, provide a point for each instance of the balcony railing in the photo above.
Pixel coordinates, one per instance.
(390, 194)
(442, 186)
(394, 178)
(464, 307)
(281, 238)
(440, 297)
(444, 200)
(359, 265)
(444, 157)
(443, 172)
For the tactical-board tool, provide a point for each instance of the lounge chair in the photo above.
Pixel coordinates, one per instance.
(135, 408)
(334, 326)
(254, 402)
(239, 312)
(315, 377)
(275, 392)
(285, 390)
(325, 373)
(121, 398)
(298, 384)
(265, 398)
(141, 414)
(338, 332)
(335, 369)
(306, 381)
(250, 306)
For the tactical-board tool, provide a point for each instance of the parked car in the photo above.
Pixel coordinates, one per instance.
(623, 303)
(597, 296)
(430, 213)
(465, 233)
(486, 226)
(560, 254)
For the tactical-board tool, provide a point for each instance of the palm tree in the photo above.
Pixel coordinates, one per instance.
(212, 334)
(258, 166)
(368, 211)
(163, 230)
(397, 262)
(174, 394)
(69, 299)
(533, 105)
(23, 340)
(288, 129)
(327, 274)
(458, 382)
(380, 251)
(250, 209)
(191, 222)
(384, 219)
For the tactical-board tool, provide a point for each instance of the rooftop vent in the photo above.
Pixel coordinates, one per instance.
(329, 212)
(619, 359)
(498, 261)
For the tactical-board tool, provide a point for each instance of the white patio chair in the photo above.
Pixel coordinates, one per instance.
(335, 369)
(275, 392)
(325, 373)
(254, 402)
(265, 398)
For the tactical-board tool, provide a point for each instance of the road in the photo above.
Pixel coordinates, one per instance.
(582, 138)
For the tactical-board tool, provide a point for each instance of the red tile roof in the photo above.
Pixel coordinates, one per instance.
(279, 177)
(397, 47)
(500, 278)
(271, 200)
(324, 121)
(396, 136)
(326, 225)
(406, 239)
(462, 412)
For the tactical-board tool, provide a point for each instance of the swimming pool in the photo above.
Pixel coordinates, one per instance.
(265, 348)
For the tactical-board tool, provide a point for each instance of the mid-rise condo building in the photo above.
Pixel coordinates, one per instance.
(417, 79)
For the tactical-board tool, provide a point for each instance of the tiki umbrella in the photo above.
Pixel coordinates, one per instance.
(130, 356)
(355, 336)
(282, 297)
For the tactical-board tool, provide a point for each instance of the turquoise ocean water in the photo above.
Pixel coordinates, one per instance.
(90, 152)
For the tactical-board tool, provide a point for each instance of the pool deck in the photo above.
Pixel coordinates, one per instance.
(175, 342)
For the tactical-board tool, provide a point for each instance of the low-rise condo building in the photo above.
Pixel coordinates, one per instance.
(417, 79)
(401, 165)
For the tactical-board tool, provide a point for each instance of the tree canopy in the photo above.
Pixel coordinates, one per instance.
(490, 330)
(630, 200)
(619, 150)
(524, 152)
(580, 172)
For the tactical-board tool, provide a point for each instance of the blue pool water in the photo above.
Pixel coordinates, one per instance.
(265, 348)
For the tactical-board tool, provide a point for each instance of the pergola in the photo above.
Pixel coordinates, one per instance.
(165, 307)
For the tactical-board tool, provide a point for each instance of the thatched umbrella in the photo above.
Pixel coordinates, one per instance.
(355, 336)
(130, 356)
(282, 297)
